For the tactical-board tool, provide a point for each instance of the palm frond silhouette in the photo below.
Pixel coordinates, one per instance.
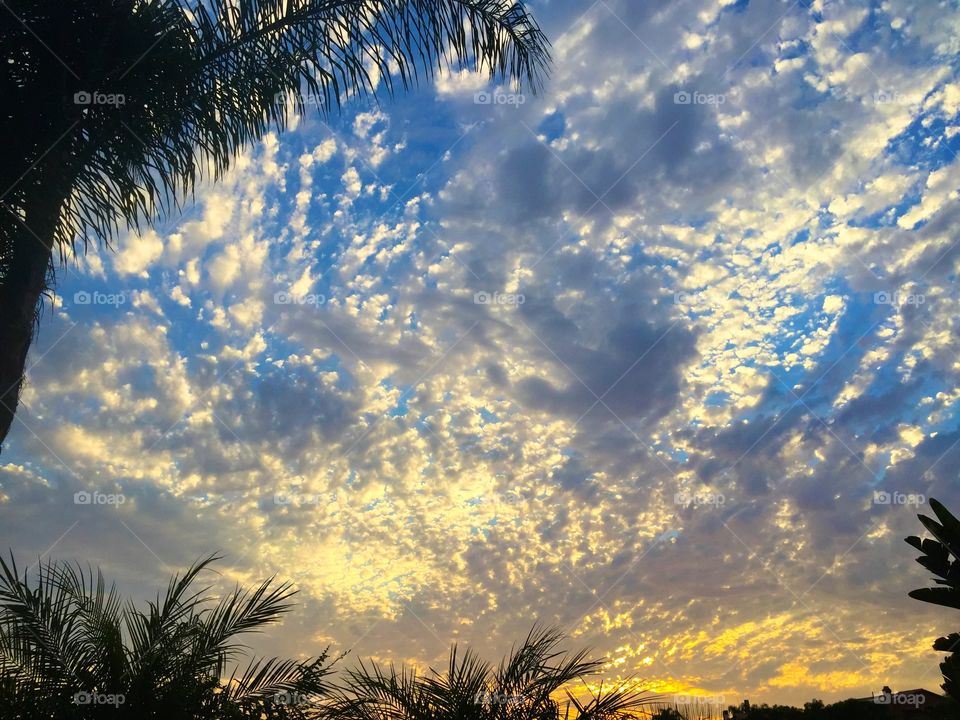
(525, 686)
(70, 647)
(941, 556)
(113, 109)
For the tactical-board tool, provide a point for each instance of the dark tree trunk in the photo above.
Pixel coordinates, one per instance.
(29, 249)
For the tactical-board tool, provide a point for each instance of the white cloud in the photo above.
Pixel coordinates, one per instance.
(461, 84)
(138, 253)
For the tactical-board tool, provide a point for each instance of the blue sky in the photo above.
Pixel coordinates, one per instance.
(633, 356)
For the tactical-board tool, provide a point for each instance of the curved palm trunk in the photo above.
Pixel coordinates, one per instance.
(21, 288)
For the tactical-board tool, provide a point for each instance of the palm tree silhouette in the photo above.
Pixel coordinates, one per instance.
(522, 687)
(71, 648)
(941, 556)
(112, 109)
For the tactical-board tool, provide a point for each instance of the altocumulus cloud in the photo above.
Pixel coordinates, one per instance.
(723, 277)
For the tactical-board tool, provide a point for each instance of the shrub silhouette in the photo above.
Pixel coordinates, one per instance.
(941, 556)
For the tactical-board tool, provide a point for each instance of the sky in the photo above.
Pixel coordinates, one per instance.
(665, 356)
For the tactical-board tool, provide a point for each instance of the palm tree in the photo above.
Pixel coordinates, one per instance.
(71, 648)
(112, 109)
(523, 687)
(941, 556)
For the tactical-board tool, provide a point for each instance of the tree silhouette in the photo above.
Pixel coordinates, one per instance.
(113, 109)
(941, 556)
(71, 648)
(522, 687)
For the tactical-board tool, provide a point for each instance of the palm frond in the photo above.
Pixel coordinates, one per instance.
(64, 632)
(525, 686)
(621, 703)
(941, 556)
(217, 75)
(275, 682)
(192, 83)
(39, 625)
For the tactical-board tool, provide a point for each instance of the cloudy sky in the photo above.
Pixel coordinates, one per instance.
(664, 356)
